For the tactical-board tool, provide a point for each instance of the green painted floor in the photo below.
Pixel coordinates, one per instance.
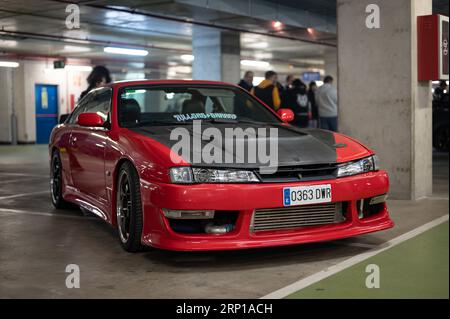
(416, 268)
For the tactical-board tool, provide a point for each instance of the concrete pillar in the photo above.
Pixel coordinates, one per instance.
(381, 102)
(331, 64)
(155, 71)
(5, 105)
(217, 55)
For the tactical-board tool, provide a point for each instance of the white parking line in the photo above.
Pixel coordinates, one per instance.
(23, 174)
(19, 180)
(24, 194)
(436, 197)
(305, 282)
(10, 211)
(355, 244)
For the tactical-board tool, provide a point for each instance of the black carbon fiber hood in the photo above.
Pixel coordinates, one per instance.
(295, 146)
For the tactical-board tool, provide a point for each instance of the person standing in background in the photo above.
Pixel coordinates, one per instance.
(267, 91)
(296, 99)
(326, 99)
(440, 91)
(98, 77)
(247, 81)
(313, 123)
(289, 80)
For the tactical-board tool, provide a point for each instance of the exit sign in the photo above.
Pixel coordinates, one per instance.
(60, 64)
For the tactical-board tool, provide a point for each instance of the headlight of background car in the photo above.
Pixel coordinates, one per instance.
(364, 165)
(184, 175)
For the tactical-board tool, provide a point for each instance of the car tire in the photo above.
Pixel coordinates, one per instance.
(56, 182)
(129, 208)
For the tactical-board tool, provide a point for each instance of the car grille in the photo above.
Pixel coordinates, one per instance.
(298, 216)
(300, 173)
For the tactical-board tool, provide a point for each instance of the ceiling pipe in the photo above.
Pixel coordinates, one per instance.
(199, 23)
(73, 40)
(101, 25)
(97, 60)
(93, 61)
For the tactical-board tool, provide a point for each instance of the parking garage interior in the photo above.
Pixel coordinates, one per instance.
(44, 64)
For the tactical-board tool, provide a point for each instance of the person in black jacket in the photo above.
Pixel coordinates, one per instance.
(297, 100)
(98, 77)
(289, 79)
(314, 109)
(439, 92)
(247, 81)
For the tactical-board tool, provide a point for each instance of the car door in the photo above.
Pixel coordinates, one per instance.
(87, 147)
(67, 159)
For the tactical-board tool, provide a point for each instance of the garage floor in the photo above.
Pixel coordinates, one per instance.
(37, 242)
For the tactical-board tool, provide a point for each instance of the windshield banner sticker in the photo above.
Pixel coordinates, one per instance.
(204, 116)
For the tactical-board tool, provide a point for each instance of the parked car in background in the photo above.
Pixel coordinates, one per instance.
(441, 136)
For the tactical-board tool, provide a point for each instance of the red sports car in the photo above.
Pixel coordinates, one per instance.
(119, 155)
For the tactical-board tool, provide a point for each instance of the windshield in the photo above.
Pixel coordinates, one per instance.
(180, 104)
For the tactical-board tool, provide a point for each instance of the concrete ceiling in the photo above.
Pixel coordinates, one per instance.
(37, 28)
(328, 7)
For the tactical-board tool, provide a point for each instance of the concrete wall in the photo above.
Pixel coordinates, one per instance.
(23, 79)
(381, 102)
(5, 104)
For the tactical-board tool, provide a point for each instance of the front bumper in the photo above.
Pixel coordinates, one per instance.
(245, 198)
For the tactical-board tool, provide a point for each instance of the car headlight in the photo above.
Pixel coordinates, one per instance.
(184, 175)
(364, 165)
(181, 175)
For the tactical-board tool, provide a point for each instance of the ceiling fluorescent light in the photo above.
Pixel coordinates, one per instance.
(74, 48)
(125, 51)
(258, 45)
(187, 57)
(261, 64)
(81, 68)
(9, 64)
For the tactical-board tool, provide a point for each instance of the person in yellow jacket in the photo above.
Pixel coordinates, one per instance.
(267, 91)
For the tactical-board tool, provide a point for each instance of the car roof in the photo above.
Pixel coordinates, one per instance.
(120, 84)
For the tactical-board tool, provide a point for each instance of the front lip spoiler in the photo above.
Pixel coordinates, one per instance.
(228, 242)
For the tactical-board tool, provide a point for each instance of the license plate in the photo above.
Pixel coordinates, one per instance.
(305, 195)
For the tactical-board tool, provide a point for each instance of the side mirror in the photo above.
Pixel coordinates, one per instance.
(90, 120)
(286, 115)
(63, 118)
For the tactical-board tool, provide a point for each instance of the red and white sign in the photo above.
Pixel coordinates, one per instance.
(432, 47)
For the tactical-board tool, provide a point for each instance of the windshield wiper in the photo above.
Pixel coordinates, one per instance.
(215, 121)
(163, 123)
(220, 121)
(237, 121)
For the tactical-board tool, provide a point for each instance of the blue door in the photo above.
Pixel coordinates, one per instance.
(46, 111)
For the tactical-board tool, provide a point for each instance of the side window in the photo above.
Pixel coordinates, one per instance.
(100, 103)
(78, 110)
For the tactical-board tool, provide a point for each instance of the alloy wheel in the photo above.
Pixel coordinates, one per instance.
(55, 182)
(124, 199)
